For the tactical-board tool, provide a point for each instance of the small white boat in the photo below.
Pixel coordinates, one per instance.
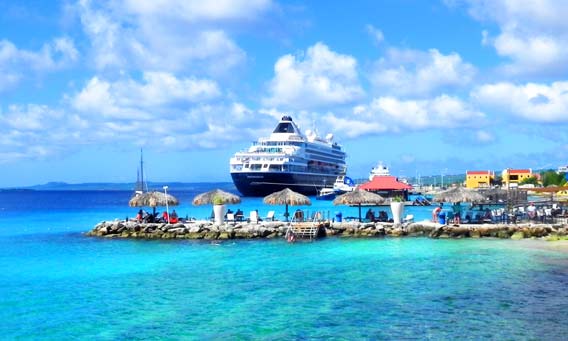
(326, 193)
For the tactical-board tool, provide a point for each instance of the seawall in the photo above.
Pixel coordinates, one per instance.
(209, 231)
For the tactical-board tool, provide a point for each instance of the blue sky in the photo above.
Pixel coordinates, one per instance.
(425, 86)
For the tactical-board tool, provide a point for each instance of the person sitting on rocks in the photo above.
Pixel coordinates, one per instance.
(487, 216)
(174, 217)
(146, 218)
(370, 215)
(165, 217)
(139, 216)
(531, 211)
(299, 215)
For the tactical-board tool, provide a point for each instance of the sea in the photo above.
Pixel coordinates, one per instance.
(58, 284)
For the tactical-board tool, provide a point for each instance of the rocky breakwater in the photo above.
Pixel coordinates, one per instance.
(188, 230)
(208, 230)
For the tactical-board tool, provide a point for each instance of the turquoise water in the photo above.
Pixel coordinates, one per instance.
(55, 283)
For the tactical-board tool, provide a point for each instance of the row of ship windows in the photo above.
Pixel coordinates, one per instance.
(286, 168)
(274, 168)
(336, 149)
(325, 159)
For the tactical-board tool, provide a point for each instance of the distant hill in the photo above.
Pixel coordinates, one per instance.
(109, 186)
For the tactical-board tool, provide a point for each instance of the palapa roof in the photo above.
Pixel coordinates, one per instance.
(385, 183)
(459, 194)
(358, 197)
(287, 197)
(152, 199)
(207, 197)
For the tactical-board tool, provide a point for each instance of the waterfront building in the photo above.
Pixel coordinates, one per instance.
(387, 186)
(512, 177)
(479, 179)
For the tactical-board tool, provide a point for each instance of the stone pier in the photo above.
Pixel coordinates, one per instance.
(208, 230)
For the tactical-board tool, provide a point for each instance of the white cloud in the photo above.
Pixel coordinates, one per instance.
(353, 127)
(23, 132)
(167, 35)
(407, 72)
(533, 35)
(376, 34)
(322, 78)
(533, 102)
(203, 126)
(16, 63)
(129, 99)
(441, 112)
(483, 136)
(201, 10)
(390, 114)
(394, 115)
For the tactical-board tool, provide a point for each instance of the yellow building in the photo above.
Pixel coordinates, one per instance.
(512, 177)
(479, 179)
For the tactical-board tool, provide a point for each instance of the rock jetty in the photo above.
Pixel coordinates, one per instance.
(209, 231)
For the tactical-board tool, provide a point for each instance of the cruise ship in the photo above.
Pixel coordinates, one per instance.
(288, 159)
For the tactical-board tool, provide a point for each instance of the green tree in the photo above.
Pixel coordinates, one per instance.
(550, 177)
(497, 181)
(532, 180)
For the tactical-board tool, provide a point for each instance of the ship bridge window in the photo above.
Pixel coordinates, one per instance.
(284, 127)
(255, 167)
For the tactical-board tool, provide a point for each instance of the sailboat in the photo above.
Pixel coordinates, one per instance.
(141, 185)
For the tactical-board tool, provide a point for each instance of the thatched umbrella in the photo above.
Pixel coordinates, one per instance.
(153, 199)
(359, 197)
(459, 194)
(208, 197)
(287, 197)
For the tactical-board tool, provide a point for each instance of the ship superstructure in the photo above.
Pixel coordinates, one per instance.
(288, 158)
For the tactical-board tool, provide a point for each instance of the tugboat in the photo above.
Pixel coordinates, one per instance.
(287, 159)
(343, 184)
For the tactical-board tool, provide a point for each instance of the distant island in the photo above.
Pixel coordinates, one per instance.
(129, 186)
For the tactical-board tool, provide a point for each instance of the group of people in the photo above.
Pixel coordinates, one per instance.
(145, 217)
(239, 215)
(455, 215)
(382, 216)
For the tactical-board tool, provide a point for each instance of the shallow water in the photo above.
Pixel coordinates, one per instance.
(57, 283)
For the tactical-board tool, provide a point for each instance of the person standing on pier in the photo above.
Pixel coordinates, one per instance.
(435, 212)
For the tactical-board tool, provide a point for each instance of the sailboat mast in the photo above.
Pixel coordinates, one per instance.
(138, 186)
(142, 183)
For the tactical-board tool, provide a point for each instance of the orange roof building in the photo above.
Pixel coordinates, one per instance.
(479, 179)
(512, 177)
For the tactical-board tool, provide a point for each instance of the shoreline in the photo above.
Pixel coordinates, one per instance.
(206, 230)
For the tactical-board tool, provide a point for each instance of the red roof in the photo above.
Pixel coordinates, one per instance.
(519, 171)
(478, 172)
(384, 183)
